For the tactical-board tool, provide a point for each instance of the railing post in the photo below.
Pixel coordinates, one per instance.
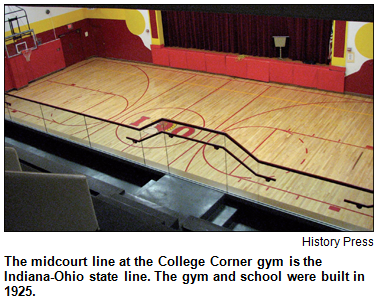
(87, 131)
(43, 118)
(166, 149)
(226, 166)
(142, 149)
(9, 111)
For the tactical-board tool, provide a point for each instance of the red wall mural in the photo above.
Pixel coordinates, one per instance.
(361, 81)
(114, 40)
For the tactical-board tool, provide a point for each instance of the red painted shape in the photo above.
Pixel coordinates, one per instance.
(139, 121)
(160, 55)
(281, 72)
(330, 80)
(164, 126)
(177, 58)
(152, 19)
(187, 133)
(196, 60)
(302, 161)
(304, 75)
(235, 67)
(334, 208)
(362, 80)
(301, 140)
(339, 38)
(113, 39)
(369, 147)
(215, 63)
(257, 69)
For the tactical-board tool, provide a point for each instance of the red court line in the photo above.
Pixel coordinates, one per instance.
(281, 108)
(90, 89)
(264, 141)
(242, 108)
(187, 167)
(253, 151)
(87, 109)
(172, 69)
(217, 89)
(60, 72)
(298, 133)
(146, 89)
(127, 113)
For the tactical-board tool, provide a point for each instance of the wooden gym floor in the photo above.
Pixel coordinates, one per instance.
(323, 133)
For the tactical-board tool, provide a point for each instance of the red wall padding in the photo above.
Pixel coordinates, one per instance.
(8, 84)
(18, 71)
(330, 80)
(235, 66)
(215, 63)
(177, 58)
(281, 72)
(45, 59)
(322, 77)
(258, 69)
(196, 60)
(305, 75)
(160, 55)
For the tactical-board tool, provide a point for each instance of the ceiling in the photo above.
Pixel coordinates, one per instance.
(347, 12)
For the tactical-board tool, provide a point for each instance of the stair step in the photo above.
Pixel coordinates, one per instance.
(224, 215)
(181, 196)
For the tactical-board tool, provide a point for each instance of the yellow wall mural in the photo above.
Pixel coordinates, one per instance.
(364, 40)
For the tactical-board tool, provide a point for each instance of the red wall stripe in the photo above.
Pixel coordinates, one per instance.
(152, 18)
(339, 38)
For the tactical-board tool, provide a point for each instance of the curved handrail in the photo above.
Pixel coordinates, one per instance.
(267, 178)
(253, 156)
(212, 131)
(358, 205)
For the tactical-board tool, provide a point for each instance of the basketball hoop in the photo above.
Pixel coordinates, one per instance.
(27, 53)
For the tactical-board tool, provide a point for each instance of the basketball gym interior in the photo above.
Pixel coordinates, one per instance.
(177, 118)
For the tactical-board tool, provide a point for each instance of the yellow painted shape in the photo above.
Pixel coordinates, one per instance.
(364, 40)
(160, 40)
(106, 13)
(135, 22)
(134, 19)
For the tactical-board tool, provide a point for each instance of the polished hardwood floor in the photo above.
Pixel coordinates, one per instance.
(323, 133)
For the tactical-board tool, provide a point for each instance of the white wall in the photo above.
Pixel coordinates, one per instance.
(353, 27)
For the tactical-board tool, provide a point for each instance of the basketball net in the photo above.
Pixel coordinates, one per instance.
(27, 54)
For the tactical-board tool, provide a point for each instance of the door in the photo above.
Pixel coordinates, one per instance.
(72, 47)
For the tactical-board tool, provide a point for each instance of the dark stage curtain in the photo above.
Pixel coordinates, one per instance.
(248, 35)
